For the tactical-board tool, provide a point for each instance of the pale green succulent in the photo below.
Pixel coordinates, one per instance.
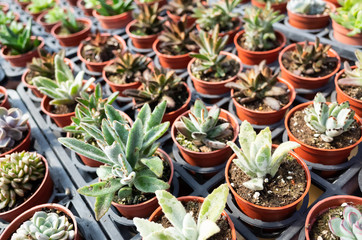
(353, 76)
(36, 6)
(308, 7)
(348, 228)
(54, 15)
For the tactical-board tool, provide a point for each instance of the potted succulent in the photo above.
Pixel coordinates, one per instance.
(33, 184)
(15, 26)
(71, 31)
(126, 71)
(177, 8)
(258, 40)
(212, 68)
(87, 6)
(4, 99)
(174, 44)
(336, 217)
(346, 24)
(19, 47)
(158, 86)
(326, 132)
(7, 17)
(36, 7)
(46, 221)
(4, 7)
(144, 30)
(308, 65)
(309, 14)
(205, 219)
(115, 15)
(201, 134)
(98, 50)
(348, 84)
(260, 97)
(276, 5)
(257, 167)
(143, 3)
(135, 166)
(49, 18)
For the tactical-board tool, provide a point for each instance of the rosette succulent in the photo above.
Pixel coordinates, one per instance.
(353, 76)
(348, 228)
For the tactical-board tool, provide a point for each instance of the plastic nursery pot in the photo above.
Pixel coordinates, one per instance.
(41, 195)
(24, 145)
(74, 39)
(22, 59)
(264, 118)
(340, 34)
(255, 57)
(175, 18)
(87, 11)
(304, 21)
(213, 88)
(324, 205)
(335, 2)
(158, 212)
(282, 7)
(98, 66)
(207, 159)
(268, 214)
(306, 82)
(113, 22)
(34, 15)
(144, 209)
(140, 42)
(14, 225)
(160, 3)
(41, 20)
(22, 4)
(4, 7)
(319, 155)
(5, 102)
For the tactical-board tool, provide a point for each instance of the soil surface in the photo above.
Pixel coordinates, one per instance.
(274, 44)
(118, 78)
(308, 136)
(62, 109)
(6, 149)
(103, 53)
(352, 91)
(230, 66)
(288, 184)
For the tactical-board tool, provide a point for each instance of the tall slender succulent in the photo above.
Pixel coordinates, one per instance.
(184, 225)
(353, 76)
(18, 174)
(328, 120)
(254, 157)
(115, 8)
(349, 16)
(129, 154)
(45, 225)
(148, 20)
(308, 7)
(348, 228)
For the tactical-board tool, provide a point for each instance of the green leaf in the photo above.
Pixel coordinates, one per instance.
(121, 131)
(279, 154)
(155, 164)
(104, 172)
(207, 229)
(156, 116)
(124, 192)
(247, 135)
(154, 133)
(149, 184)
(145, 227)
(144, 114)
(101, 188)
(102, 204)
(198, 107)
(134, 143)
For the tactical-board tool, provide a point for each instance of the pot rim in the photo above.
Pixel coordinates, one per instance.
(5, 56)
(339, 74)
(108, 18)
(5, 92)
(86, 21)
(158, 53)
(358, 35)
(26, 138)
(131, 35)
(225, 33)
(331, 6)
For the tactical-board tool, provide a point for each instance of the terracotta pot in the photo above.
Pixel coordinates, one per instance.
(324, 205)
(158, 213)
(144, 209)
(72, 2)
(306, 82)
(75, 38)
(209, 159)
(170, 61)
(113, 22)
(160, 3)
(22, 4)
(29, 214)
(87, 11)
(5, 103)
(255, 57)
(213, 88)
(41, 195)
(98, 66)
(140, 42)
(23, 145)
(319, 155)
(4, 7)
(264, 118)
(282, 7)
(340, 34)
(335, 2)
(22, 59)
(34, 15)
(45, 25)
(175, 18)
(269, 214)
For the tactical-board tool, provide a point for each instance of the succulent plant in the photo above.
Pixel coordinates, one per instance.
(254, 157)
(36, 6)
(6, 18)
(348, 228)
(91, 3)
(353, 76)
(13, 124)
(328, 120)
(43, 225)
(54, 15)
(115, 8)
(181, 7)
(129, 154)
(272, 1)
(148, 20)
(308, 7)
(349, 16)
(184, 225)
(70, 24)
(15, 27)
(203, 126)
(258, 83)
(18, 173)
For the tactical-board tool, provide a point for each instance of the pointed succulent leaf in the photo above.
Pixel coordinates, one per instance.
(145, 227)
(102, 205)
(101, 188)
(155, 164)
(255, 184)
(149, 184)
(134, 142)
(207, 229)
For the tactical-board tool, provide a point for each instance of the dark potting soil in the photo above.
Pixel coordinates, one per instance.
(194, 207)
(308, 136)
(98, 54)
(62, 109)
(320, 229)
(230, 66)
(7, 149)
(288, 184)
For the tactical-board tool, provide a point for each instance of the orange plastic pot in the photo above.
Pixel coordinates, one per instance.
(175, 18)
(161, 3)
(5, 103)
(324, 205)
(340, 34)
(41, 195)
(268, 214)
(319, 155)
(87, 11)
(24, 145)
(213, 88)
(74, 39)
(281, 7)
(169, 61)
(264, 118)
(140, 42)
(335, 2)
(34, 15)
(255, 57)
(4, 7)
(158, 213)
(306, 82)
(144, 209)
(113, 22)
(29, 214)
(41, 20)
(209, 159)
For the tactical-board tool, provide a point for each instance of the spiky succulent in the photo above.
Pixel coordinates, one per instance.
(353, 76)
(203, 127)
(91, 3)
(115, 7)
(254, 156)
(184, 225)
(43, 225)
(308, 7)
(37, 6)
(70, 24)
(349, 16)
(328, 120)
(348, 228)
(129, 154)
(54, 15)
(181, 7)
(6, 18)
(148, 20)
(258, 83)
(13, 125)
(18, 174)
(15, 27)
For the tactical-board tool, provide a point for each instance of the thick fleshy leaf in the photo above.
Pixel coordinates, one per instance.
(149, 184)
(255, 184)
(154, 133)
(145, 227)
(207, 229)
(156, 116)
(263, 159)
(198, 107)
(104, 172)
(247, 135)
(101, 188)
(134, 143)
(155, 164)
(102, 204)
(280, 153)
